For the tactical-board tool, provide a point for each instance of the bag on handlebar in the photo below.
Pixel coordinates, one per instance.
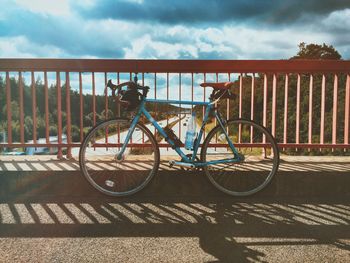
(130, 98)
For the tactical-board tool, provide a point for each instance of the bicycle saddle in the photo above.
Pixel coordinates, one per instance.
(217, 85)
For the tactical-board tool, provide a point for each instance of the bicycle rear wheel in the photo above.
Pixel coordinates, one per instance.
(101, 167)
(256, 146)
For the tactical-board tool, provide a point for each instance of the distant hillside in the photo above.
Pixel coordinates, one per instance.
(159, 111)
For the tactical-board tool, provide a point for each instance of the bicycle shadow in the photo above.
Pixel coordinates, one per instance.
(223, 246)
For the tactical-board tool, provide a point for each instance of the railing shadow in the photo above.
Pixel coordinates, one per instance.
(226, 229)
(52, 164)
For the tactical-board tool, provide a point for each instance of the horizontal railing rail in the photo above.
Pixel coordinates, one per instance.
(304, 103)
(176, 66)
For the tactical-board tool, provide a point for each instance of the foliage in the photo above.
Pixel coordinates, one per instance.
(315, 51)
(158, 111)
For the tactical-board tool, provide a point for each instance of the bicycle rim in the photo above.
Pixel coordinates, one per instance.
(258, 149)
(101, 167)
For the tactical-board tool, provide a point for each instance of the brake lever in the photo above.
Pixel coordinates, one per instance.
(109, 83)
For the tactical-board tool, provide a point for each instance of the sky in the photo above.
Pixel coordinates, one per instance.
(176, 29)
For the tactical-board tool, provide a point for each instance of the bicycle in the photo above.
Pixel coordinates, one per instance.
(119, 157)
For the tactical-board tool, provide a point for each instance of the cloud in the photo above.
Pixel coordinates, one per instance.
(338, 21)
(303, 11)
(84, 32)
(21, 47)
(337, 25)
(146, 47)
(57, 8)
(178, 12)
(227, 42)
(73, 35)
(211, 11)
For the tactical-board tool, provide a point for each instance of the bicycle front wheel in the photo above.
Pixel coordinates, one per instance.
(259, 157)
(99, 162)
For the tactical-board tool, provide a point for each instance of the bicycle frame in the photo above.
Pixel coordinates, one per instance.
(208, 109)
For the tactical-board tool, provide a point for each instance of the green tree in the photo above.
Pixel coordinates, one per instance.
(28, 128)
(14, 110)
(315, 51)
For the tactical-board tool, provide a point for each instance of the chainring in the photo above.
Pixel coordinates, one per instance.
(190, 169)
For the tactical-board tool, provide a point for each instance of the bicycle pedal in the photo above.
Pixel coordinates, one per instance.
(171, 163)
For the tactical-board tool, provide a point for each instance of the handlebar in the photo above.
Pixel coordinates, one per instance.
(130, 84)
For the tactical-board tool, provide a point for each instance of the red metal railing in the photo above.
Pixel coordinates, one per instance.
(278, 80)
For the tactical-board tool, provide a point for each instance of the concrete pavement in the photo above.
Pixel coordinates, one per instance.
(174, 230)
(48, 213)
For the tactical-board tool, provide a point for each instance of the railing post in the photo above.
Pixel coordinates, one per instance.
(46, 91)
(265, 105)
(59, 115)
(106, 96)
(180, 96)
(34, 109)
(118, 104)
(311, 85)
(240, 107)
(81, 113)
(21, 107)
(8, 107)
(106, 108)
(285, 122)
(323, 102)
(335, 109)
(93, 99)
(297, 125)
(347, 110)
(68, 114)
(204, 95)
(274, 104)
(252, 107)
(227, 100)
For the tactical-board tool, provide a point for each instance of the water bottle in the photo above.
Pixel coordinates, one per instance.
(191, 132)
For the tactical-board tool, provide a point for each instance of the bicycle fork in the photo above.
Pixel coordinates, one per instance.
(120, 155)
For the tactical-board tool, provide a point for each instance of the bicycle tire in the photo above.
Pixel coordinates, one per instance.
(255, 172)
(118, 178)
